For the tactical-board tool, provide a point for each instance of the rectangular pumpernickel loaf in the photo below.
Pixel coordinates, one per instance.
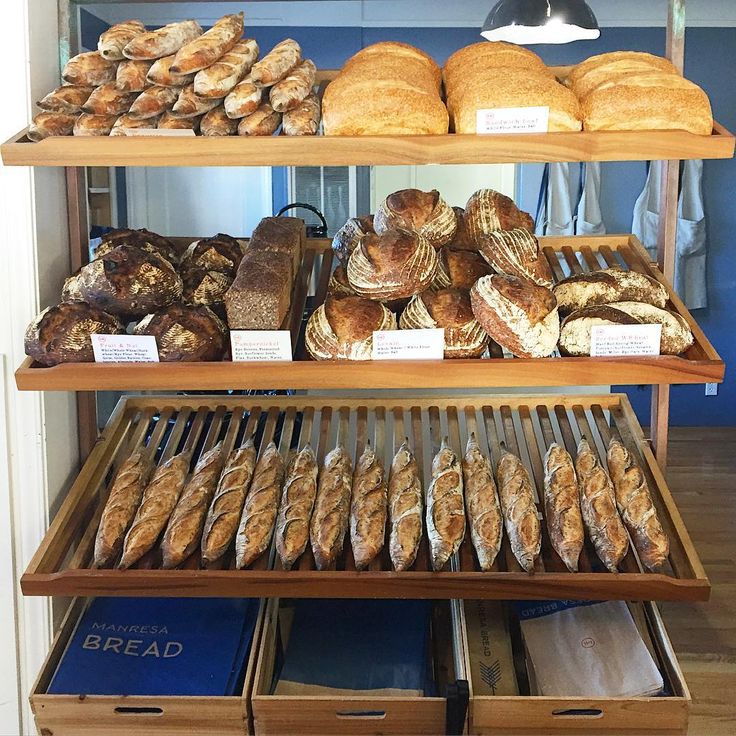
(280, 235)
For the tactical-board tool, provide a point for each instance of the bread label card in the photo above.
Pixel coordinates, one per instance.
(618, 340)
(501, 120)
(166, 132)
(408, 344)
(249, 345)
(125, 348)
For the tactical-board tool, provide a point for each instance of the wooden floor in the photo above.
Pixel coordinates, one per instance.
(702, 475)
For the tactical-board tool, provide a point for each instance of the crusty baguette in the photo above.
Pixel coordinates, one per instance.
(184, 529)
(159, 500)
(126, 121)
(295, 509)
(304, 118)
(163, 41)
(292, 89)
(112, 41)
(261, 506)
(219, 79)
(598, 507)
(519, 510)
(96, 125)
(562, 506)
(47, 124)
(107, 99)
(277, 63)
(445, 508)
(217, 123)
(405, 508)
(227, 504)
(635, 505)
(243, 100)
(154, 101)
(188, 105)
(89, 69)
(68, 99)
(160, 73)
(210, 46)
(368, 508)
(132, 76)
(122, 503)
(264, 121)
(481, 502)
(331, 508)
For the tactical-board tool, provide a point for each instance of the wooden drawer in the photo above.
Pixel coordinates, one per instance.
(103, 715)
(277, 715)
(526, 714)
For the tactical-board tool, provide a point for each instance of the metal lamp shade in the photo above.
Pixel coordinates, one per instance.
(540, 21)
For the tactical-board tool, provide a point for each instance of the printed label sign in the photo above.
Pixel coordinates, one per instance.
(125, 348)
(250, 345)
(409, 344)
(618, 340)
(161, 132)
(499, 120)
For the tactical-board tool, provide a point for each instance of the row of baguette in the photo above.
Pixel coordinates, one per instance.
(243, 499)
(213, 83)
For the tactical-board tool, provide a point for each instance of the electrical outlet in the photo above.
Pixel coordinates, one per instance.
(711, 389)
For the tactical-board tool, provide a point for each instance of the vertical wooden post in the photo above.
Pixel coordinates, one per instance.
(78, 219)
(666, 240)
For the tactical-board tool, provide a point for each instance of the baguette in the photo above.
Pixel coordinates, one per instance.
(67, 99)
(94, 125)
(331, 508)
(227, 505)
(244, 99)
(295, 509)
(163, 41)
(445, 512)
(132, 76)
(210, 46)
(264, 121)
(125, 121)
(635, 505)
(220, 79)
(122, 503)
(598, 507)
(169, 121)
(160, 73)
(89, 69)
(116, 37)
(405, 509)
(159, 500)
(562, 506)
(368, 508)
(304, 118)
(107, 99)
(519, 510)
(261, 507)
(46, 124)
(188, 105)
(294, 88)
(184, 529)
(217, 123)
(482, 505)
(277, 63)
(154, 101)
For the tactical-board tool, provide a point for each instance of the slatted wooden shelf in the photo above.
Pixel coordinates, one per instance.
(526, 425)
(566, 255)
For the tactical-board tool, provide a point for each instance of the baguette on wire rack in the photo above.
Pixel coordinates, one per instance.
(405, 508)
(368, 508)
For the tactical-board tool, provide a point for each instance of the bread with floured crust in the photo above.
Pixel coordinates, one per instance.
(338, 285)
(160, 73)
(342, 328)
(188, 105)
(163, 41)
(277, 63)
(459, 269)
(405, 508)
(88, 124)
(219, 79)
(217, 123)
(206, 49)
(89, 69)
(368, 508)
(488, 211)
(516, 253)
(349, 235)
(108, 99)
(294, 87)
(462, 239)
(519, 315)
(154, 101)
(591, 71)
(49, 123)
(67, 99)
(112, 41)
(303, 119)
(132, 76)
(404, 52)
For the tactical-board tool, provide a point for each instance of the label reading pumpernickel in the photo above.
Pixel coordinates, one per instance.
(260, 345)
(125, 349)
(499, 120)
(620, 340)
(409, 344)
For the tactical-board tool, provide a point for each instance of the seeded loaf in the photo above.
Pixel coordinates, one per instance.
(280, 235)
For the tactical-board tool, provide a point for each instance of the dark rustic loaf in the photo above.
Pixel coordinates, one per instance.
(459, 269)
(424, 212)
(61, 334)
(348, 236)
(141, 238)
(488, 211)
(280, 235)
(219, 253)
(516, 253)
(203, 286)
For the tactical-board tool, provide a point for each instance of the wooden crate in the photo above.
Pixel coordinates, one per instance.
(566, 255)
(109, 715)
(281, 715)
(62, 565)
(525, 714)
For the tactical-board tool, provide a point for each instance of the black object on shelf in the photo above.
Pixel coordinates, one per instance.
(458, 698)
(313, 231)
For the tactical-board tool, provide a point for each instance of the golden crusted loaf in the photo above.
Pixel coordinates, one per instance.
(342, 328)
(160, 73)
(368, 508)
(481, 502)
(404, 508)
(462, 239)
(349, 235)
(107, 99)
(132, 76)
(219, 79)
(423, 212)
(516, 253)
(221, 252)
(294, 87)
(562, 506)
(89, 69)
(338, 285)
(217, 123)
(277, 63)
(635, 505)
(46, 124)
(264, 121)
(408, 55)
(94, 125)
(153, 101)
(67, 99)
(450, 310)
(459, 269)
(112, 41)
(206, 49)
(163, 41)
(188, 105)
(304, 118)
(488, 211)
(519, 315)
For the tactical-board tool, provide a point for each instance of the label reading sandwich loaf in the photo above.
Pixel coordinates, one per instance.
(499, 120)
(409, 344)
(619, 340)
(250, 345)
(125, 349)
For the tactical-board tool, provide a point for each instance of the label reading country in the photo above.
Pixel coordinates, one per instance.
(499, 120)
(620, 340)
(260, 345)
(409, 344)
(125, 348)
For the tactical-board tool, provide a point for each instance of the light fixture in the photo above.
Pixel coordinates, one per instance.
(540, 21)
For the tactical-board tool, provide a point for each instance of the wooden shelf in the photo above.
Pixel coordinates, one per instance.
(701, 363)
(527, 426)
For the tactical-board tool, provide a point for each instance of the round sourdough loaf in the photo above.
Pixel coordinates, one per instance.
(450, 310)
(459, 269)
(519, 315)
(516, 253)
(204, 286)
(185, 333)
(424, 212)
(144, 239)
(462, 239)
(348, 236)
(342, 328)
(393, 265)
(338, 285)
(592, 71)
(488, 211)
(70, 292)
(219, 253)
(61, 334)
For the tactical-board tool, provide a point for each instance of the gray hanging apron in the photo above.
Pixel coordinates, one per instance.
(554, 206)
(589, 220)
